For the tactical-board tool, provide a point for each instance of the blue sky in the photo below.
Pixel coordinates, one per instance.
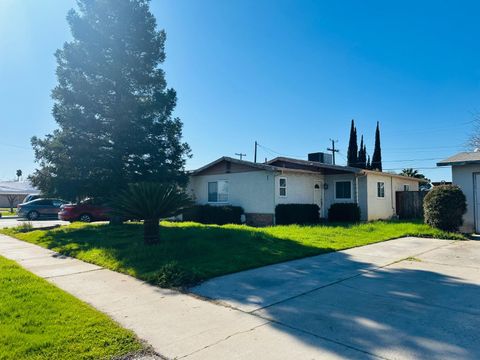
(289, 74)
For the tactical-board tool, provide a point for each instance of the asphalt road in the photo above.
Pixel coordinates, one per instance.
(6, 222)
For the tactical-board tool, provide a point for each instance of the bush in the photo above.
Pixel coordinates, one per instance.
(286, 214)
(344, 212)
(444, 207)
(172, 275)
(208, 214)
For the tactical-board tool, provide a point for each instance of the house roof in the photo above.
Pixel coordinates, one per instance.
(462, 158)
(311, 164)
(285, 164)
(17, 187)
(235, 161)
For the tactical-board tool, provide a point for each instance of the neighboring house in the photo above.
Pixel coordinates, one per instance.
(16, 191)
(258, 188)
(466, 174)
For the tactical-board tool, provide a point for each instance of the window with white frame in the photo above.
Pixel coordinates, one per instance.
(218, 191)
(343, 190)
(380, 189)
(282, 187)
(406, 187)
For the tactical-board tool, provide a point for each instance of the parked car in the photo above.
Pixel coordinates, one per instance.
(87, 211)
(31, 197)
(33, 210)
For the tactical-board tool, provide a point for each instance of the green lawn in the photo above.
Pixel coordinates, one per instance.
(40, 321)
(6, 212)
(200, 252)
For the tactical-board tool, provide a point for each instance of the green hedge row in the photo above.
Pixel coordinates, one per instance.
(286, 214)
(220, 215)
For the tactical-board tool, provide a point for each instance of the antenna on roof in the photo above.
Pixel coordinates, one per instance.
(240, 155)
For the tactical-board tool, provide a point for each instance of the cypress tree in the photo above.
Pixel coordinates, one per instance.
(362, 155)
(377, 152)
(352, 153)
(368, 166)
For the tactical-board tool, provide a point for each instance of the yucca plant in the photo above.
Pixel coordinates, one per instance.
(150, 202)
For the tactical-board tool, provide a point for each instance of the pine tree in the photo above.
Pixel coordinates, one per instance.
(377, 152)
(112, 106)
(352, 153)
(362, 155)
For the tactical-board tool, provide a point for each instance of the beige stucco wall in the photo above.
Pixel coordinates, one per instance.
(463, 177)
(385, 208)
(253, 190)
(299, 188)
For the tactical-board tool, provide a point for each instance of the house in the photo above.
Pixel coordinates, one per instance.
(15, 192)
(466, 175)
(259, 187)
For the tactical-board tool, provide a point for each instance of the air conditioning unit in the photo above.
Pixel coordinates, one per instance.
(321, 158)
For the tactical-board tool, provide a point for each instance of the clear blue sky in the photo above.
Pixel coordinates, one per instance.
(290, 74)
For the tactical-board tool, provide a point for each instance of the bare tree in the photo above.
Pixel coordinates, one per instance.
(474, 139)
(11, 200)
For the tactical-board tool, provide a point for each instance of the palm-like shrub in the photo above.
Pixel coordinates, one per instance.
(150, 202)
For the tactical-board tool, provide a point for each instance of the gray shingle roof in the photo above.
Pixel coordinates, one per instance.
(461, 159)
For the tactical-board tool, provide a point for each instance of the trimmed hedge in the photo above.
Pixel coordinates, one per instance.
(209, 214)
(344, 212)
(286, 214)
(444, 207)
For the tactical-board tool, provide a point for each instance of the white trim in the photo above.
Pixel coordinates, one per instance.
(335, 190)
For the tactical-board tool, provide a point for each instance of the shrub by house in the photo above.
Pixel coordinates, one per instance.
(444, 207)
(208, 214)
(344, 212)
(286, 214)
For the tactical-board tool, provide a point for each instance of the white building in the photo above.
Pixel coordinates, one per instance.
(15, 192)
(466, 175)
(258, 188)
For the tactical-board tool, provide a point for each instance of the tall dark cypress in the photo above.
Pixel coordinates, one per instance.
(362, 155)
(368, 166)
(352, 153)
(377, 152)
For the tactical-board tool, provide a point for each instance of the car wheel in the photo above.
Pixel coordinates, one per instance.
(33, 215)
(85, 218)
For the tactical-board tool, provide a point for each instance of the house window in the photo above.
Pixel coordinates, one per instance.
(282, 187)
(218, 191)
(380, 189)
(406, 187)
(343, 190)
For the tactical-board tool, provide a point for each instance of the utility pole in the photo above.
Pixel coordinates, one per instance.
(255, 153)
(333, 150)
(241, 155)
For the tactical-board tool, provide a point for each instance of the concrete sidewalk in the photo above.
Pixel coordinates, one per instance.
(284, 311)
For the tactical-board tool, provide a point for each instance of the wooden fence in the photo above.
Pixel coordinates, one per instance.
(409, 204)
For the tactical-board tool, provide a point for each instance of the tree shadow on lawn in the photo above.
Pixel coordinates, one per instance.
(205, 251)
(409, 310)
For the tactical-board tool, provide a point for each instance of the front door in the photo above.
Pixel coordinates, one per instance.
(318, 196)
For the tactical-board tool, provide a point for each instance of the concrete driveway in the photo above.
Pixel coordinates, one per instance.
(361, 303)
(6, 222)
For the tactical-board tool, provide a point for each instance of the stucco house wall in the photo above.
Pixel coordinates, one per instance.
(463, 176)
(252, 190)
(381, 208)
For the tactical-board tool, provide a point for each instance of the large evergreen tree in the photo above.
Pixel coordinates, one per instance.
(112, 106)
(352, 152)
(362, 155)
(377, 151)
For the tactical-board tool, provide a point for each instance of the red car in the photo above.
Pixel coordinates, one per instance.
(87, 211)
